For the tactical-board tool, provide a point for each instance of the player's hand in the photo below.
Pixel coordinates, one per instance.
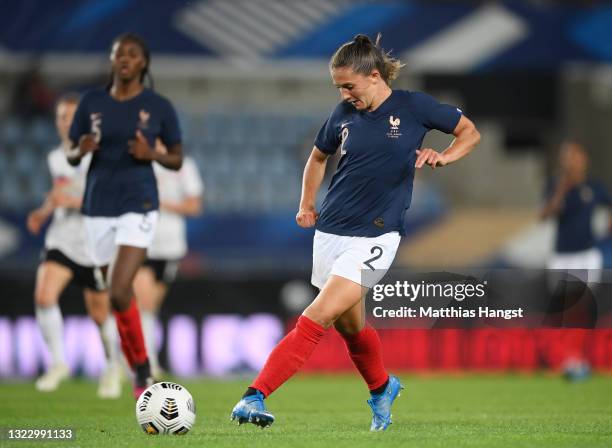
(431, 157)
(60, 199)
(87, 143)
(169, 206)
(140, 149)
(35, 221)
(564, 185)
(306, 217)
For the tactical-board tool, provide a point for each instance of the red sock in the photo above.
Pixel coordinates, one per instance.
(365, 350)
(130, 332)
(289, 355)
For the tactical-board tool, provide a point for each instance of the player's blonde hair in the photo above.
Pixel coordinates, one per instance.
(364, 56)
(68, 98)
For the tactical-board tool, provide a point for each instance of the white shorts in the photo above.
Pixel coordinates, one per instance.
(104, 234)
(586, 264)
(347, 256)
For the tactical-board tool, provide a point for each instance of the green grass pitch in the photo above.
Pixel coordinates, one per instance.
(330, 411)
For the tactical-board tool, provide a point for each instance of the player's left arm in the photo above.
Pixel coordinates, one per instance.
(191, 202)
(466, 139)
(188, 206)
(172, 159)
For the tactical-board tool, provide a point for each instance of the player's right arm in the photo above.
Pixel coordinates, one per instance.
(554, 204)
(313, 177)
(38, 217)
(326, 144)
(87, 143)
(82, 139)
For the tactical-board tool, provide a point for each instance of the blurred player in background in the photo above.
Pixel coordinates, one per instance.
(572, 201)
(65, 259)
(379, 132)
(119, 125)
(180, 195)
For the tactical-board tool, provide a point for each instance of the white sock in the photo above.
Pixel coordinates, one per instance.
(51, 326)
(110, 340)
(148, 320)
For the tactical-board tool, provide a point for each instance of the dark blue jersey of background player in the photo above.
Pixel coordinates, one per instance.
(572, 199)
(117, 181)
(120, 126)
(372, 187)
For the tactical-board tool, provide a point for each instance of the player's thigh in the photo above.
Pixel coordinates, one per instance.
(161, 290)
(97, 304)
(337, 296)
(353, 320)
(164, 278)
(51, 279)
(145, 288)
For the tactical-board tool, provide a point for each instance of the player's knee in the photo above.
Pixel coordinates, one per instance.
(348, 328)
(120, 302)
(98, 311)
(324, 317)
(98, 315)
(146, 300)
(44, 299)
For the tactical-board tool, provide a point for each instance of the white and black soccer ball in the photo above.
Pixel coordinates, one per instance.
(165, 408)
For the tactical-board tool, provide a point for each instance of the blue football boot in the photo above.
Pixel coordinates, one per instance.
(252, 409)
(381, 404)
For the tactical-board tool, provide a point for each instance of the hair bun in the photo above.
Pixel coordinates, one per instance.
(362, 39)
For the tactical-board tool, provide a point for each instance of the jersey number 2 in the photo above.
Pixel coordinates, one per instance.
(344, 136)
(377, 251)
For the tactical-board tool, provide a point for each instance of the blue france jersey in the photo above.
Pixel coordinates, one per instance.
(372, 187)
(574, 221)
(117, 183)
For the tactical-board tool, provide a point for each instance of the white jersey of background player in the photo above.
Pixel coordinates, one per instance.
(180, 195)
(170, 241)
(66, 232)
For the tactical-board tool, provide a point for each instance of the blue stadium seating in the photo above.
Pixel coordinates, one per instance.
(250, 162)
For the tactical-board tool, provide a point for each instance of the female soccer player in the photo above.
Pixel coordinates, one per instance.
(119, 125)
(379, 132)
(180, 195)
(572, 202)
(64, 259)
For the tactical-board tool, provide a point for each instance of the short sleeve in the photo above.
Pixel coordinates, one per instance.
(170, 133)
(433, 114)
(52, 162)
(328, 138)
(80, 122)
(191, 181)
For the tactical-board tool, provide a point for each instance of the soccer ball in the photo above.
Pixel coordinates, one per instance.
(165, 408)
